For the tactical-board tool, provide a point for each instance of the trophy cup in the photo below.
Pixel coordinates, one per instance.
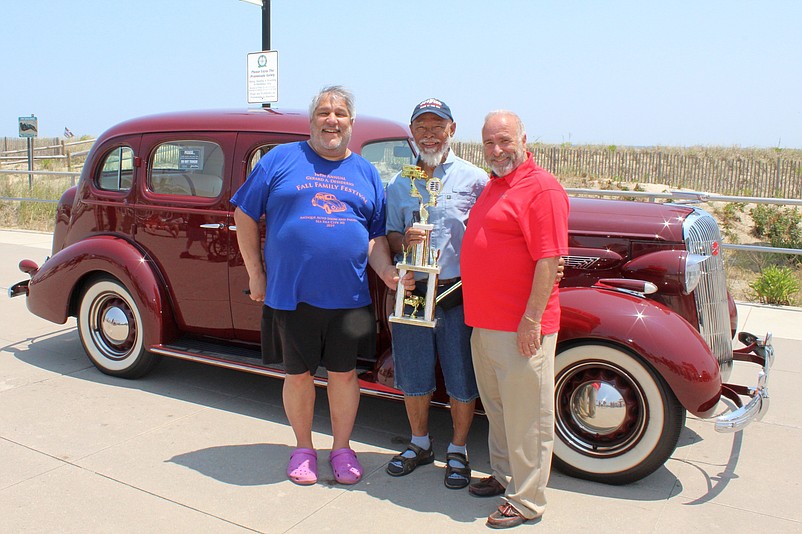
(420, 258)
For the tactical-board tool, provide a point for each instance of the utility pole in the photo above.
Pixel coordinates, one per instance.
(265, 24)
(265, 5)
(266, 32)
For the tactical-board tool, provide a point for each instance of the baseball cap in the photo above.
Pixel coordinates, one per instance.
(432, 105)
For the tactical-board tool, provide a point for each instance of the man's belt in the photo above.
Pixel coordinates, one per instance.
(445, 287)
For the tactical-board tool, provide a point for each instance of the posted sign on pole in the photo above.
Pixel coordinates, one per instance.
(28, 126)
(263, 77)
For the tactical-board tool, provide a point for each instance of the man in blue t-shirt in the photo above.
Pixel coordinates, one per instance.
(324, 213)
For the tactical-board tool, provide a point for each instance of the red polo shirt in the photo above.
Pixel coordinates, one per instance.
(517, 220)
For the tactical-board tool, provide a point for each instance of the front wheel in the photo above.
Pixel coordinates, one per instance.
(616, 419)
(110, 328)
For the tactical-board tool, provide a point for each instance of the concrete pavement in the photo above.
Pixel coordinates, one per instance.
(193, 448)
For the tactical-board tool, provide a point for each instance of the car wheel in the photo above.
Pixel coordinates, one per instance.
(110, 328)
(616, 419)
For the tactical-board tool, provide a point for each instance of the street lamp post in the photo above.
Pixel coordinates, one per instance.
(265, 24)
(265, 4)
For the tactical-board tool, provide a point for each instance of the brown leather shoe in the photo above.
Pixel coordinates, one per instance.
(486, 487)
(506, 516)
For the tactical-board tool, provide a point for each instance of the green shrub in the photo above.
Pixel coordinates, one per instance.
(728, 216)
(779, 225)
(776, 285)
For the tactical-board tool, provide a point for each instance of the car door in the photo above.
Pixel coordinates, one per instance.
(182, 220)
(247, 314)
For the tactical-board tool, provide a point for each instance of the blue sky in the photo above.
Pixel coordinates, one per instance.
(677, 73)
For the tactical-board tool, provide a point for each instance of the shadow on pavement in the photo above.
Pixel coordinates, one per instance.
(380, 423)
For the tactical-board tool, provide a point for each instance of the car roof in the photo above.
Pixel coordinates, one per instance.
(290, 121)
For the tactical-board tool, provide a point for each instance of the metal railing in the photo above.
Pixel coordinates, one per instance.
(30, 176)
(46, 173)
(694, 197)
(680, 197)
(684, 196)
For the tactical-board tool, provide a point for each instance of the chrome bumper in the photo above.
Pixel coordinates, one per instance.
(20, 288)
(761, 352)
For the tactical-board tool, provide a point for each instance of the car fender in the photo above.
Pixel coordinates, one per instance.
(671, 345)
(54, 289)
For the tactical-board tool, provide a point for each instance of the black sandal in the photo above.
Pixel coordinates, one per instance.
(422, 457)
(457, 477)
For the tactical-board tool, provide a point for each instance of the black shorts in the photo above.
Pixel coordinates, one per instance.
(308, 337)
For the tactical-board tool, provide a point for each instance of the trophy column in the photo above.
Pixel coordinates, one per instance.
(423, 260)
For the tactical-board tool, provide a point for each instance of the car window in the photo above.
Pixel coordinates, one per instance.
(389, 156)
(117, 170)
(188, 168)
(257, 155)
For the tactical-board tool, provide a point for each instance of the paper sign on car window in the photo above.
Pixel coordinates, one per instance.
(190, 158)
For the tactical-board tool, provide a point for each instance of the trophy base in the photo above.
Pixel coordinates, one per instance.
(416, 303)
(414, 321)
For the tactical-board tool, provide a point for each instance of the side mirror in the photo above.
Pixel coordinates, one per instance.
(403, 152)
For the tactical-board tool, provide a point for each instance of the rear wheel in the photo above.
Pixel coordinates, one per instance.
(617, 420)
(110, 328)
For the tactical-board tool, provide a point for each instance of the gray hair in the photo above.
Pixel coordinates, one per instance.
(336, 91)
(519, 125)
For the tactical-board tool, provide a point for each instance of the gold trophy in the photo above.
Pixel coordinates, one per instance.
(420, 258)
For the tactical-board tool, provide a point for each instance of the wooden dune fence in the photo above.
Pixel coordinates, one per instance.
(725, 171)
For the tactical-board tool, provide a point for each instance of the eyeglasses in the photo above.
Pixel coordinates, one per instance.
(436, 130)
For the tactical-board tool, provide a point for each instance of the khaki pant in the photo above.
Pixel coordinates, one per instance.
(518, 396)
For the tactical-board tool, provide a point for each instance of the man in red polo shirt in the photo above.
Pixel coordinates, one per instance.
(517, 231)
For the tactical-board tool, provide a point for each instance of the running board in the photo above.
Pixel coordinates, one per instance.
(250, 361)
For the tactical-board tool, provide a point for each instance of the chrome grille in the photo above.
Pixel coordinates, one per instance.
(702, 236)
(580, 262)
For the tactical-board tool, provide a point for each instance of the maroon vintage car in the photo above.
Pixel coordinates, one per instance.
(145, 256)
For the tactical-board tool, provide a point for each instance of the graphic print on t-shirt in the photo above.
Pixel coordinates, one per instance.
(328, 200)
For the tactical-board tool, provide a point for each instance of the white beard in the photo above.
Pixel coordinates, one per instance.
(502, 170)
(509, 165)
(433, 159)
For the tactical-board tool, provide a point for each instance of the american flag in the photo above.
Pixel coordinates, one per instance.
(67, 133)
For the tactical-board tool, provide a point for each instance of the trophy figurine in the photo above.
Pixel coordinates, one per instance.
(420, 258)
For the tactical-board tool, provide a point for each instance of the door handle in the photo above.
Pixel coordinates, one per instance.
(213, 226)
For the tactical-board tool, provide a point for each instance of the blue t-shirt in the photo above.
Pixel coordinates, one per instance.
(319, 218)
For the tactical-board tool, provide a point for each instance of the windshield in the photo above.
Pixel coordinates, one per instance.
(389, 156)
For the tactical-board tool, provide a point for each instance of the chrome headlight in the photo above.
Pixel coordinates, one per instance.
(693, 271)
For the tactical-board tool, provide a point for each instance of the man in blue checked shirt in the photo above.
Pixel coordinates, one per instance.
(416, 348)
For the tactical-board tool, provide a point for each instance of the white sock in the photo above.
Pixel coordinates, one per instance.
(421, 441)
(463, 449)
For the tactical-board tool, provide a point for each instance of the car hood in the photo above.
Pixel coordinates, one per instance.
(621, 218)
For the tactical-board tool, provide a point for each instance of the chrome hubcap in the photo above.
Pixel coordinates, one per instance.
(598, 407)
(114, 325)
